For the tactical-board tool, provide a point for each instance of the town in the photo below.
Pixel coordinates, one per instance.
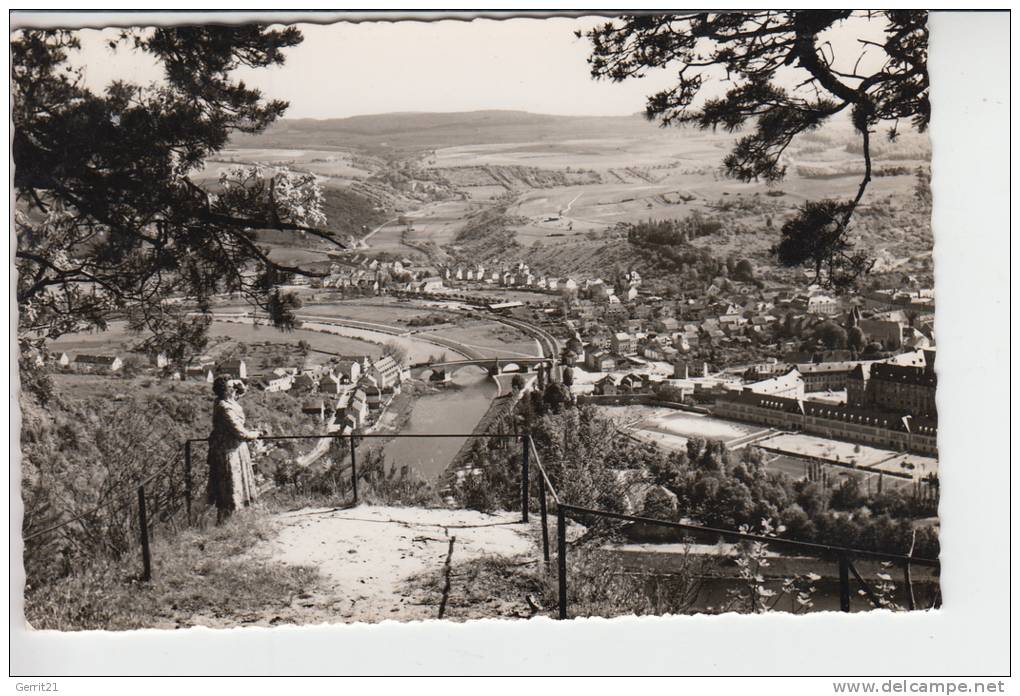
(611, 367)
(858, 368)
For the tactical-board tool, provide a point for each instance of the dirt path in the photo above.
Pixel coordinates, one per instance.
(363, 243)
(367, 555)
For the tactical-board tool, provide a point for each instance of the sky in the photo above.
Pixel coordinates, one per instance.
(347, 69)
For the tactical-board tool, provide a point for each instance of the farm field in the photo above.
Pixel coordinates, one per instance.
(117, 339)
(490, 338)
(389, 239)
(508, 295)
(651, 147)
(567, 183)
(333, 343)
(438, 222)
(487, 336)
(378, 311)
(333, 164)
(295, 256)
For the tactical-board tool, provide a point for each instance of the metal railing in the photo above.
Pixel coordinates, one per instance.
(843, 555)
(548, 498)
(154, 506)
(145, 511)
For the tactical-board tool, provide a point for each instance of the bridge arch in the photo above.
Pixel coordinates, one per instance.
(495, 366)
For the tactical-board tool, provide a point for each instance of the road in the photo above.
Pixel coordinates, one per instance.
(547, 343)
(364, 240)
(570, 204)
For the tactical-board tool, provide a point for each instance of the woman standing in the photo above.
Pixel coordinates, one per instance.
(231, 478)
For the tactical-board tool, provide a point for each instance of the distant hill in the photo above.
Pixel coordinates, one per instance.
(413, 131)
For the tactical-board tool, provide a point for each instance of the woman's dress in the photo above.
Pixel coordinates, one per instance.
(231, 478)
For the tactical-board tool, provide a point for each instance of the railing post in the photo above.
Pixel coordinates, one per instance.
(354, 470)
(143, 523)
(525, 481)
(187, 479)
(908, 582)
(844, 582)
(911, 602)
(561, 558)
(542, 506)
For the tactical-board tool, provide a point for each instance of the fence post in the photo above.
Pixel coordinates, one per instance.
(561, 558)
(543, 509)
(187, 479)
(844, 582)
(143, 523)
(909, 583)
(911, 602)
(354, 470)
(525, 481)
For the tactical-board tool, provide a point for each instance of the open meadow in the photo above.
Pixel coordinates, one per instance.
(559, 188)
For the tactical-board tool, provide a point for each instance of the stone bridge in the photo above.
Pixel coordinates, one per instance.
(494, 366)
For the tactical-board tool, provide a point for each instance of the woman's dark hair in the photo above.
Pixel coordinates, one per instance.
(219, 386)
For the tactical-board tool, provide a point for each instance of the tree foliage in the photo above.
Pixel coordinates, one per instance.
(110, 219)
(758, 54)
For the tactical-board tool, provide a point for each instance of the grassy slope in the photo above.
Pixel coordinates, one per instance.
(821, 164)
(408, 132)
(201, 577)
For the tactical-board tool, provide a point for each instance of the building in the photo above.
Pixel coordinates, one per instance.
(898, 432)
(825, 376)
(347, 371)
(599, 361)
(233, 368)
(433, 284)
(789, 385)
(317, 408)
(888, 332)
(386, 372)
(899, 388)
(305, 383)
(607, 386)
(375, 396)
(822, 304)
(199, 372)
(635, 384)
(681, 370)
(97, 363)
(357, 409)
(623, 343)
(665, 325)
(274, 383)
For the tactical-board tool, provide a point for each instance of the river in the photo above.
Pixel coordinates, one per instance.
(457, 409)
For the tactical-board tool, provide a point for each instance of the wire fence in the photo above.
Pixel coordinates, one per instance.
(171, 496)
(168, 497)
(843, 557)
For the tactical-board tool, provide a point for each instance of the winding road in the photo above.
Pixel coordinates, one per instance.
(363, 243)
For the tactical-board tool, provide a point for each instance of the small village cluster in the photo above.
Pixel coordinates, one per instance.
(745, 349)
(343, 392)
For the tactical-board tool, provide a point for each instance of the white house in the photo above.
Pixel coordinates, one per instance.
(98, 363)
